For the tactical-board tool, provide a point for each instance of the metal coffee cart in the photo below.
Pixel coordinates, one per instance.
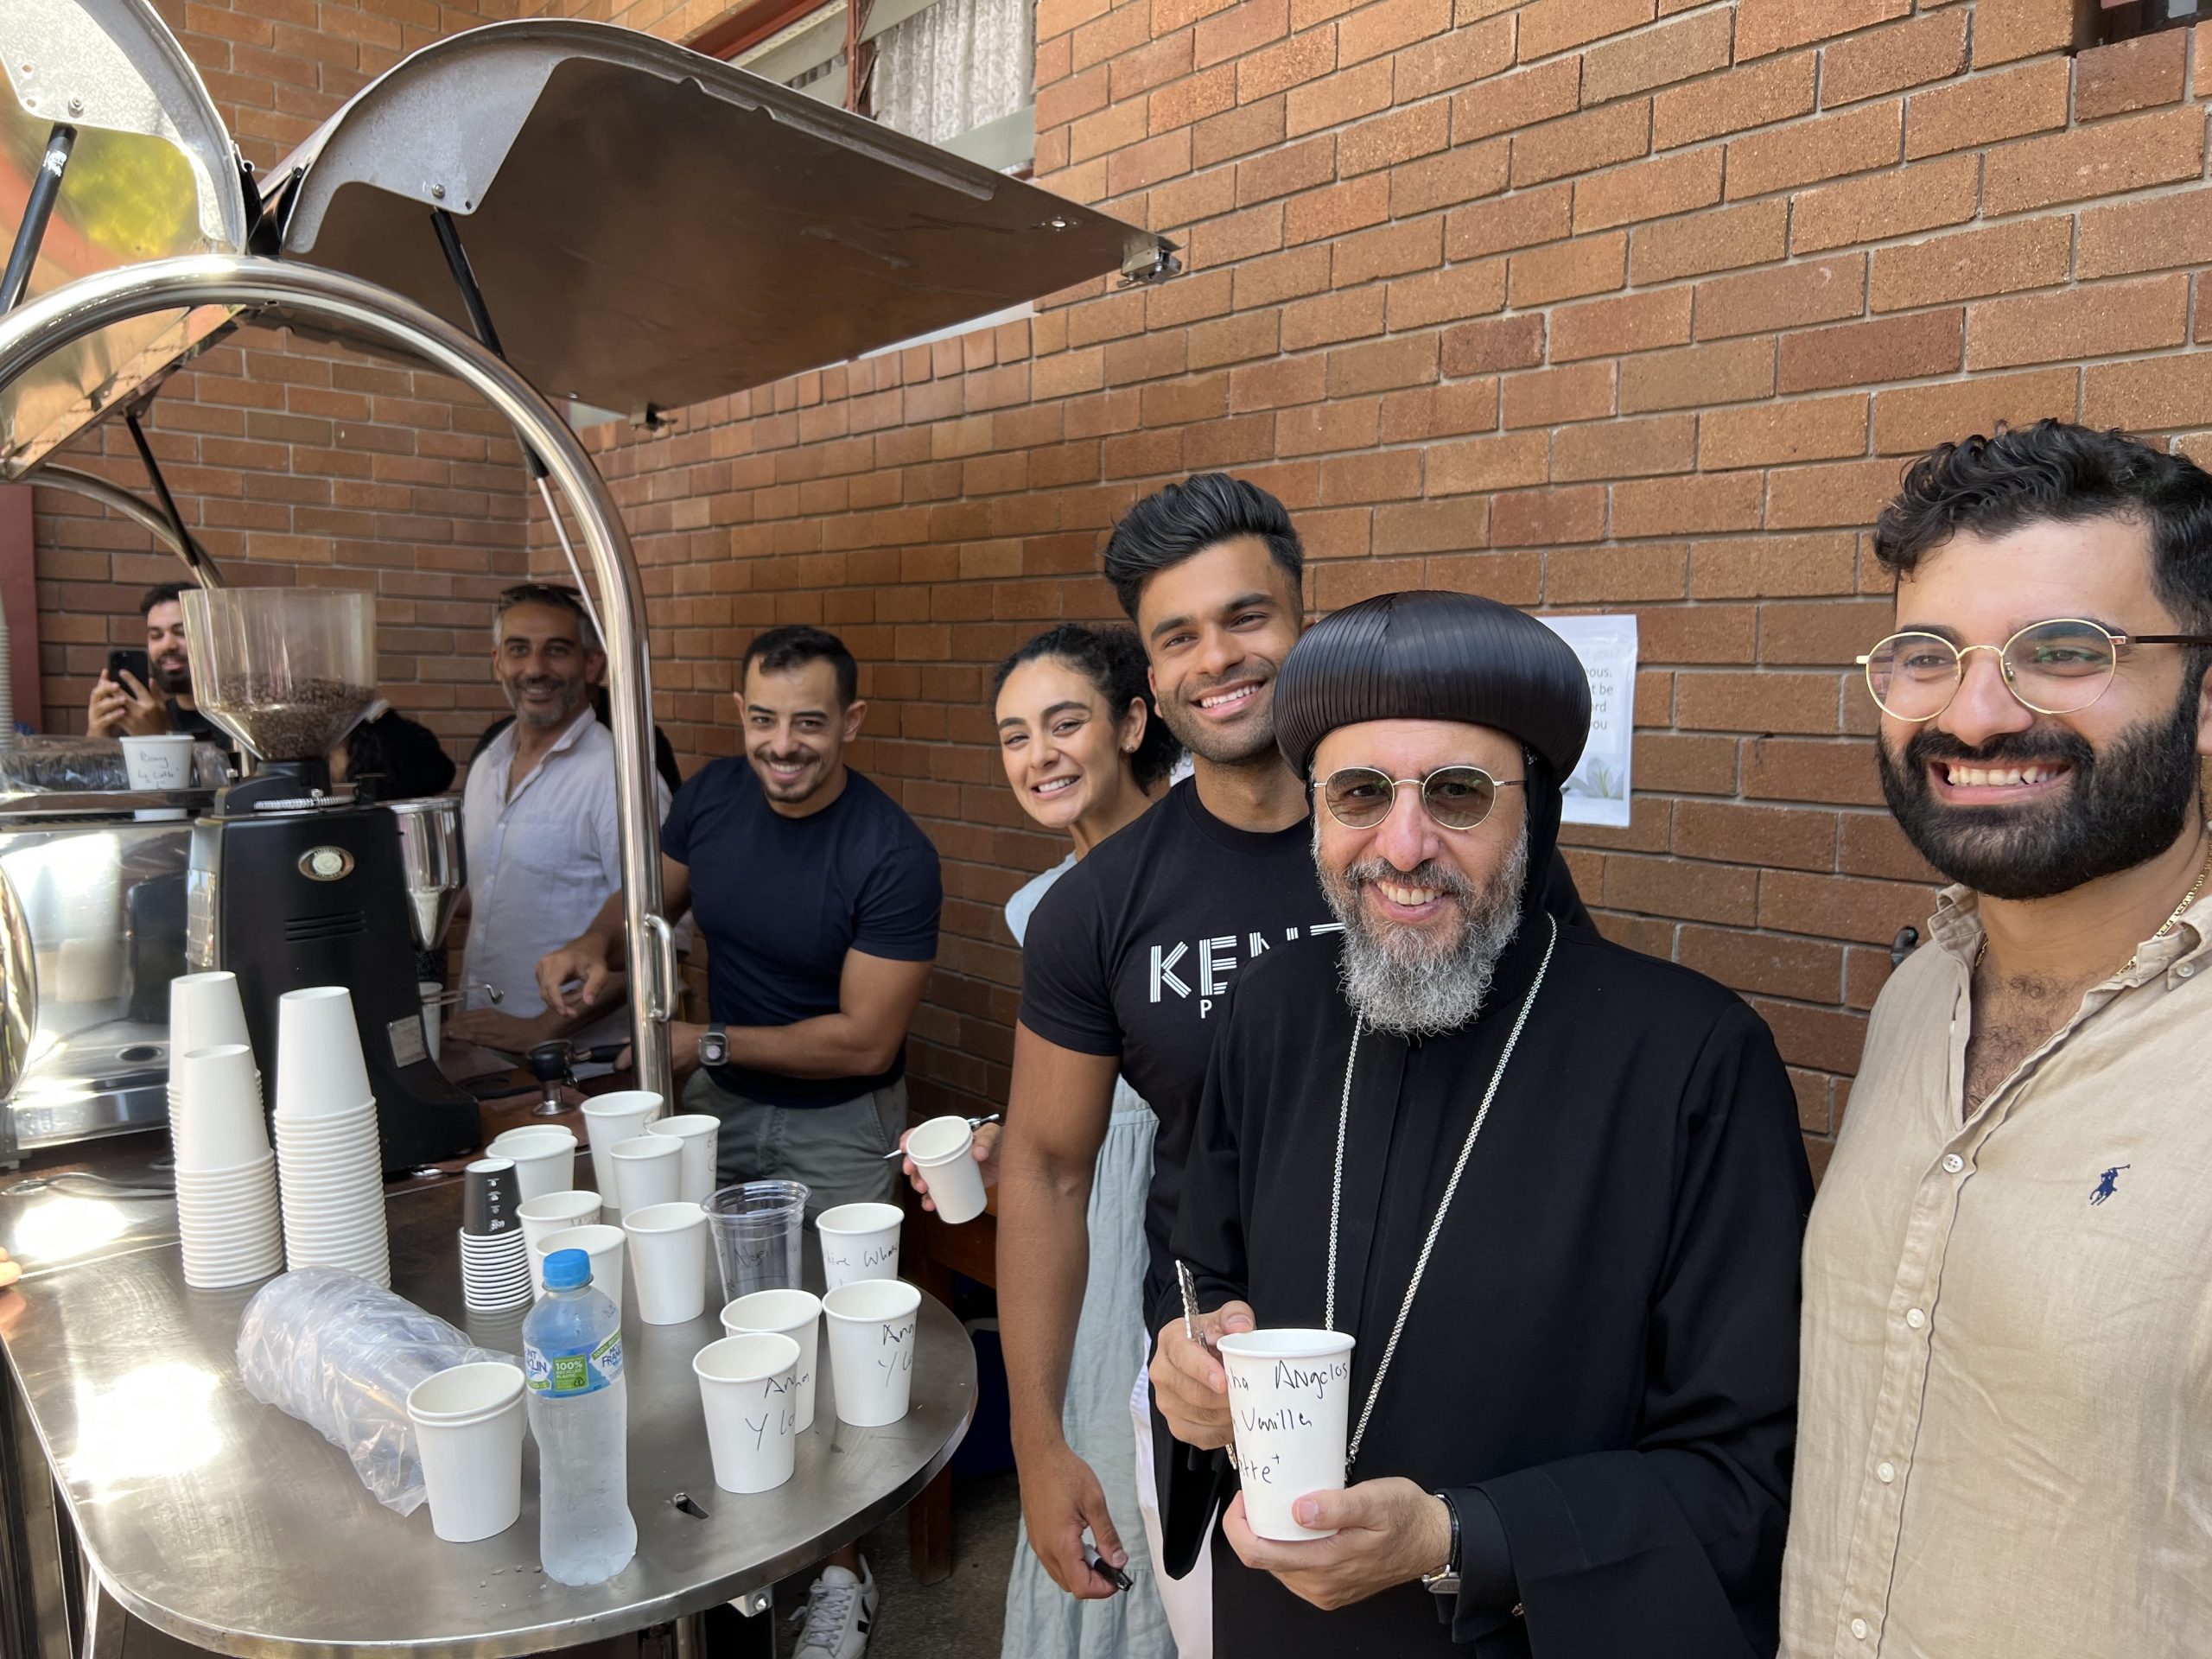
(542, 209)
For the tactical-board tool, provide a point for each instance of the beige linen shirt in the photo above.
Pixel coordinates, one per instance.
(2004, 1443)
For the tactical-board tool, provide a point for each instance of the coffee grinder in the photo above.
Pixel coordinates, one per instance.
(293, 883)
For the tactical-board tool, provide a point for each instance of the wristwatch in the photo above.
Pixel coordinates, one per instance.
(714, 1050)
(1445, 1581)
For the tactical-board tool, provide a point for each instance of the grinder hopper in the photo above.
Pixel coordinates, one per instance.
(287, 671)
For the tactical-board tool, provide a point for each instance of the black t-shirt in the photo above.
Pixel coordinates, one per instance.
(1133, 951)
(780, 900)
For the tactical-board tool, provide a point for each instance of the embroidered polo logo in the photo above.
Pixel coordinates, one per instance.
(2108, 1183)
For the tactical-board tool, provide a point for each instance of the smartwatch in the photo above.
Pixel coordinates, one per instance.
(714, 1050)
(1445, 1581)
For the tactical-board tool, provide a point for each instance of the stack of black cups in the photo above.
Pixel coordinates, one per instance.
(494, 1255)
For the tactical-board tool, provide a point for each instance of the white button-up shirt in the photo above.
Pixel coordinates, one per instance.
(542, 860)
(2005, 1426)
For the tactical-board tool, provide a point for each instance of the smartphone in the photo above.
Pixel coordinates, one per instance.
(133, 663)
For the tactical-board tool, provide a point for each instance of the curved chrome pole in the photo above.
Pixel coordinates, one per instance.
(346, 305)
(115, 498)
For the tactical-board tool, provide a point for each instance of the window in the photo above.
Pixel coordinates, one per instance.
(2122, 20)
(957, 74)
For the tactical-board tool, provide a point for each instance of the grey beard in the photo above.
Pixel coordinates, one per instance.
(1397, 981)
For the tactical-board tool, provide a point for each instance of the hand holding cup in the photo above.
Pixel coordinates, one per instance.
(1188, 1380)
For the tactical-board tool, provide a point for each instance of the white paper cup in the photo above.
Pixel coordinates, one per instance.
(433, 993)
(745, 1388)
(320, 1071)
(668, 1260)
(468, 1424)
(548, 1214)
(544, 1157)
(204, 1012)
(608, 1120)
(697, 1131)
(648, 1171)
(601, 1243)
(217, 1123)
(940, 1149)
(859, 1240)
(163, 762)
(793, 1313)
(1288, 1393)
(873, 1326)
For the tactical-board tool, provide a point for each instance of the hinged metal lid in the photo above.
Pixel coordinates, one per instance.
(651, 226)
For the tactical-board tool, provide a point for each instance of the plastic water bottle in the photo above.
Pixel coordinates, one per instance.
(579, 1414)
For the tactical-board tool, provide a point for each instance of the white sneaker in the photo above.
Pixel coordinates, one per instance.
(839, 1610)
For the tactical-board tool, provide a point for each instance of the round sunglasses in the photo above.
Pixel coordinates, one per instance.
(1459, 798)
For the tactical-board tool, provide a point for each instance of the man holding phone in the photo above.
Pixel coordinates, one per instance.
(146, 693)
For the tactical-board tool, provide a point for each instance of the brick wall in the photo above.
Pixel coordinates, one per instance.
(1584, 304)
(294, 461)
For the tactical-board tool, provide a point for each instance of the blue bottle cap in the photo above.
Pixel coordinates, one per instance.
(566, 1269)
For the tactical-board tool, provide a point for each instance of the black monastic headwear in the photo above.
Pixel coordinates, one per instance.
(1432, 655)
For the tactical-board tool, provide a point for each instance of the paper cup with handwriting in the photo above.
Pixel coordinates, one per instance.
(873, 1324)
(859, 1240)
(745, 1388)
(1288, 1394)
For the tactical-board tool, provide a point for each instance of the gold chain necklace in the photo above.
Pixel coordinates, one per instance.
(2173, 918)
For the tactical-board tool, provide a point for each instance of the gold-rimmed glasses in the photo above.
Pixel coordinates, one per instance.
(2058, 667)
(1459, 798)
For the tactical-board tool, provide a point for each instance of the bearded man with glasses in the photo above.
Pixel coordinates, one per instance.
(1551, 1188)
(2005, 1442)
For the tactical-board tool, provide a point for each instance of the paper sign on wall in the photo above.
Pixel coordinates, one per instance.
(1598, 791)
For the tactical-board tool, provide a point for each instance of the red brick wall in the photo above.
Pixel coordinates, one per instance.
(1584, 304)
(311, 464)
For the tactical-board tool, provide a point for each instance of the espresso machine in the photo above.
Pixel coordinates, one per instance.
(293, 883)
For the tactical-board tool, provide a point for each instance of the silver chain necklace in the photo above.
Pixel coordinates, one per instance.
(1443, 1205)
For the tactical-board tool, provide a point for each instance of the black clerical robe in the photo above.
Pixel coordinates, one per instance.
(1603, 1348)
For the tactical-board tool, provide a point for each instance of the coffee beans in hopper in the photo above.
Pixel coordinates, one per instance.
(285, 719)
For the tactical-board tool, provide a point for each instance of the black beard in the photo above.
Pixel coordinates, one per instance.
(2119, 808)
(1252, 744)
(175, 682)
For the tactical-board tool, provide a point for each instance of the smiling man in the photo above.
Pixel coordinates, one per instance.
(2007, 1445)
(817, 898)
(123, 707)
(1551, 1187)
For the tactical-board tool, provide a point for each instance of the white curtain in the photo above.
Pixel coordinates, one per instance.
(954, 65)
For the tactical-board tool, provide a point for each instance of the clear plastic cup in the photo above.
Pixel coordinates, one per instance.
(756, 1230)
(320, 1071)
(648, 1171)
(873, 1326)
(746, 1389)
(700, 1132)
(793, 1313)
(668, 1261)
(859, 1240)
(941, 1150)
(468, 1427)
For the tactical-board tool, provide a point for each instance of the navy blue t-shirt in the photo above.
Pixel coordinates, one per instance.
(780, 900)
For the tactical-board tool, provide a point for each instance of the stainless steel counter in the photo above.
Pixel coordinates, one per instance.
(227, 1525)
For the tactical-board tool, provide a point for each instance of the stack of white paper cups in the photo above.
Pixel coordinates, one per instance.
(609, 1119)
(227, 1212)
(204, 1012)
(329, 1168)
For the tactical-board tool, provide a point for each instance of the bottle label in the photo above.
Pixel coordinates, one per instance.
(575, 1370)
